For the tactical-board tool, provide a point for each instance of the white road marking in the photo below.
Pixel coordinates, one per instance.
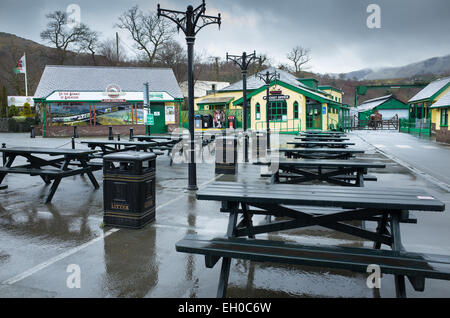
(55, 259)
(404, 146)
(74, 250)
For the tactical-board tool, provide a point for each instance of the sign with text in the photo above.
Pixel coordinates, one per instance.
(274, 98)
(150, 119)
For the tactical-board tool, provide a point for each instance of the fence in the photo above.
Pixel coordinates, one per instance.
(371, 124)
(290, 126)
(421, 127)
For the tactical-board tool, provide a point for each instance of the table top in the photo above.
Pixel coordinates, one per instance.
(158, 137)
(324, 196)
(323, 135)
(47, 151)
(328, 163)
(322, 132)
(322, 138)
(321, 142)
(118, 142)
(321, 150)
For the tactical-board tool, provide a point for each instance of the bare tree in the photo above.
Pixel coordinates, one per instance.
(60, 34)
(299, 56)
(90, 43)
(147, 31)
(172, 55)
(108, 49)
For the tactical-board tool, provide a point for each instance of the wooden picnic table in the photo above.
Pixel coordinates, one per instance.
(321, 138)
(312, 144)
(340, 172)
(112, 146)
(319, 132)
(54, 169)
(321, 153)
(322, 135)
(291, 203)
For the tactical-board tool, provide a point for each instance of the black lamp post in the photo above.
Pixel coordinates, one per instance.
(267, 78)
(190, 22)
(243, 62)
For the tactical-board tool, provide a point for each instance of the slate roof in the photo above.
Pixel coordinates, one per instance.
(444, 101)
(254, 82)
(430, 89)
(216, 100)
(97, 78)
(372, 103)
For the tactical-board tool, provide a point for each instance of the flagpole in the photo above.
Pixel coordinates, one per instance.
(26, 81)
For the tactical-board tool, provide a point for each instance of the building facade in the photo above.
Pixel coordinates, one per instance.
(94, 98)
(423, 117)
(295, 104)
(388, 106)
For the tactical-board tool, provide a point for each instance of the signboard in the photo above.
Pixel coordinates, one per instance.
(274, 98)
(324, 110)
(150, 119)
(170, 115)
(107, 97)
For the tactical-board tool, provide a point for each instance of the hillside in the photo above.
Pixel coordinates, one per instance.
(11, 50)
(438, 66)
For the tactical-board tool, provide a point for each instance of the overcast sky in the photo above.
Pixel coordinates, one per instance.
(335, 31)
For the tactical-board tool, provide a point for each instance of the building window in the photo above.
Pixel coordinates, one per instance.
(295, 110)
(444, 117)
(258, 111)
(278, 111)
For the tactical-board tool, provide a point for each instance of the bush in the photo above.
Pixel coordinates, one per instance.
(26, 111)
(12, 111)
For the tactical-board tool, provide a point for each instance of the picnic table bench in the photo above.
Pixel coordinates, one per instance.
(340, 172)
(322, 153)
(48, 170)
(321, 144)
(322, 135)
(388, 207)
(112, 146)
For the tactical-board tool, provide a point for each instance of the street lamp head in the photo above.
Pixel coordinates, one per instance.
(159, 10)
(190, 8)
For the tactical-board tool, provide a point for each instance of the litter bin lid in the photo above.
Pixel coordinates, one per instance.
(130, 156)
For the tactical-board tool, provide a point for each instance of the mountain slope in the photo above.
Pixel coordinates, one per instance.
(433, 66)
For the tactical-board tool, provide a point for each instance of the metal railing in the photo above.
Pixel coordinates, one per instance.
(290, 126)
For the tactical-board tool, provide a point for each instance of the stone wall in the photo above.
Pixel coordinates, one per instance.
(443, 135)
(94, 131)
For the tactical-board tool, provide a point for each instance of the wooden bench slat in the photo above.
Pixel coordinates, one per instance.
(350, 258)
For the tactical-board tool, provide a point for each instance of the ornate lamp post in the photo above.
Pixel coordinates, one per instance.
(267, 78)
(190, 22)
(243, 62)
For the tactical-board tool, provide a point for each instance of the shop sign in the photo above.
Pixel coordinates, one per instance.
(150, 119)
(274, 98)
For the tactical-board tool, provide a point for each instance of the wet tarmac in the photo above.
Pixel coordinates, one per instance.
(39, 242)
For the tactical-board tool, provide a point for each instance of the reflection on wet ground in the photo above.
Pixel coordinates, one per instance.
(39, 241)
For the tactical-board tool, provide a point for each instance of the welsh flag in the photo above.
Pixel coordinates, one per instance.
(21, 66)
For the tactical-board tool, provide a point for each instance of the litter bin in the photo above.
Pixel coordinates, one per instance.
(129, 189)
(198, 121)
(207, 121)
(231, 122)
(226, 155)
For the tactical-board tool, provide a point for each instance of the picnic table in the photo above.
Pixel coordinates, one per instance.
(322, 138)
(291, 203)
(340, 172)
(112, 146)
(312, 144)
(322, 153)
(50, 169)
(308, 134)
